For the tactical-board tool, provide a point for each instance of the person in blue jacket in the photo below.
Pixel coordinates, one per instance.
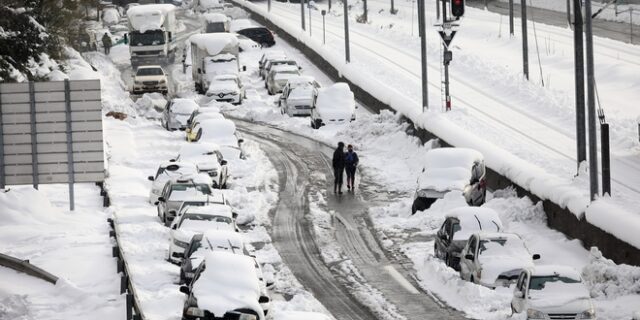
(351, 163)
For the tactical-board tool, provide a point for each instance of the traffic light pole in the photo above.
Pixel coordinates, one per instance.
(445, 55)
(423, 54)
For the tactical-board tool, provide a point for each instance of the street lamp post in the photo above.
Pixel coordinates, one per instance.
(347, 54)
(310, 28)
(302, 14)
(323, 12)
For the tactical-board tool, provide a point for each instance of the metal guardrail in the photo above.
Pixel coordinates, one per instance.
(26, 267)
(134, 312)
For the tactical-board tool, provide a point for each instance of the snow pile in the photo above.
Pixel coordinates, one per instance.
(336, 101)
(608, 280)
(215, 43)
(608, 216)
(151, 105)
(215, 17)
(114, 94)
(148, 17)
(26, 206)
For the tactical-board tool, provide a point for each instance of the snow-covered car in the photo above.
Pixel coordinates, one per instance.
(270, 55)
(225, 286)
(219, 131)
(246, 44)
(298, 96)
(167, 171)
(177, 112)
(198, 219)
(226, 88)
(204, 110)
(278, 77)
(150, 79)
(110, 16)
(215, 22)
(334, 105)
(194, 121)
(494, 259)
(210, 240)
(552, 292)
(209, 160)
(271, 63)
(459, 224)
(208, 5)
(178, 190)
(448, 169)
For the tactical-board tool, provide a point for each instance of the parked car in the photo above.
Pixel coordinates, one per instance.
(270, 63)
(494, 259)
(552, 292)
(194, 122)
(221, 132)
(299, 96)
(278, 77)
(261, 35)
(447, 169)
(110, 16)
(210, 240)
(177, 112)
(270, 55)
(196, 219)
(176, 191)
(334, 105)
(209, 160)
(150, 79)
(226, 88)
(205, 110)
(458, 226)
(225, 286)
(167, 171)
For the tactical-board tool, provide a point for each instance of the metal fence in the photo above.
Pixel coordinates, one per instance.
(51, 132)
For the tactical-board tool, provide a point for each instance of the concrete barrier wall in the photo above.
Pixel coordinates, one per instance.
(558, 218)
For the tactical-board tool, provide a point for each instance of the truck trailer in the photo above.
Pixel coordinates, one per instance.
(152, 34)
(213, 54)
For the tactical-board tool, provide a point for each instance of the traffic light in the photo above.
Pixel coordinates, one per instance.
(457, 8)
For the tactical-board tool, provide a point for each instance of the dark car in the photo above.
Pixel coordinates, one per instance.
(260, 35)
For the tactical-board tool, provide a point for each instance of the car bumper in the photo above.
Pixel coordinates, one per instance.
(146, 89)
(175, 253)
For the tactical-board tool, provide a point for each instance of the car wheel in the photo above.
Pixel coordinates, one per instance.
(472, 279)
(513, 310)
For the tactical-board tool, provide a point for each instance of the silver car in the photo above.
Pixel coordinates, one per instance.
(279, 76)
(269, 64)
(177, 113)
(299, 96)
(177, 191)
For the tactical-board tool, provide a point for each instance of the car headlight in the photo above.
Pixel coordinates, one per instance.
(535, 314)
(163, 81)
(180, 244)
(195, 312)
(587, 314)
(137, 82)
(245, 316)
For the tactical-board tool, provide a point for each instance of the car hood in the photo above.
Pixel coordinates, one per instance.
(560, 304)
(444, 179)
(493, 266)
(217, 87)
(149, 78)
(220, 299)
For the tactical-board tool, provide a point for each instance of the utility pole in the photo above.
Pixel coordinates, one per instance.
(569, 12)
(446, 58)
(591, 103)
(393, 9)
(525, 43)
(302, 14)
(581, 140)
(511, 17)
(438, 9)
(365, 14)
(347, 54)
(323, 12)
(423, 54)
(269, 5)
(329, 5)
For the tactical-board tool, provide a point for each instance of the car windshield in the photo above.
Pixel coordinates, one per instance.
(503, 247)
(149, 38)
(215, 27)
(207, 217)
(183, 188)
(149, 72)
(542, 282)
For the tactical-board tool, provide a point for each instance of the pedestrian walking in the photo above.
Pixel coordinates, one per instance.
(338, 167)
(351, 163)
(106, 43)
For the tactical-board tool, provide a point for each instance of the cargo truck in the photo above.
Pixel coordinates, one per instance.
(152, 34)
(213, 54)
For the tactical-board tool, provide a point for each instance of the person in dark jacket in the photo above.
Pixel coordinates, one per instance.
(338, 167)
(106, 43)
(351, 162)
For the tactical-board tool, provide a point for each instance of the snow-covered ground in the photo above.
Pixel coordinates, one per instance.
(524, 130)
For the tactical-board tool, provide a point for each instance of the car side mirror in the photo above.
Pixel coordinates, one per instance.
(185, 290)
(174, 227)
(223, 162)
(172, 160)
(234, 215)
(536, 257)
(173, 212)
(156, 203)
(468, 256)
(244, 68)
(518, 294)
(299, 68)
(240, 140)
(150, 178)
(161, 199)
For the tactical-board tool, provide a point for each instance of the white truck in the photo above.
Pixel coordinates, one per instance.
(216, 22)
(213, 54)
(152, 33)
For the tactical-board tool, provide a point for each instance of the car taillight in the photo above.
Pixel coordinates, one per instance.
(483, 183)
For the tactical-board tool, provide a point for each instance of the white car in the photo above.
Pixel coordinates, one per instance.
(226, 285)
(269, 64)
(167, 171)
(278, 77)
(299, 96)
(448, 169)
(219, 131)
(177, 191)
(494, 259)
(150, 79)
(177, 112)
(195, 220)
(334, 105)
(552, 292)
(226, 88)
(208, 158)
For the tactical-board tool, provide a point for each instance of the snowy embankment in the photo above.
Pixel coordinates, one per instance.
(531, 171)
(135, 147)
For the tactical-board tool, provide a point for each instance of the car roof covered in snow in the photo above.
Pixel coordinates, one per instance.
(337, 96)
(448, 169)
(297, 80)
(229, 282)
(474, 219)
(180, 165)
(214, 43)
(220, 131)
(201, 178)
(211, 209)
(215, 17)
(148, 16)
(183, 106)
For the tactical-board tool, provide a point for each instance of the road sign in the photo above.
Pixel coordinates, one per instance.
(447, 38)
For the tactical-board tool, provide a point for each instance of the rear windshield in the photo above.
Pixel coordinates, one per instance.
(149, 72)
